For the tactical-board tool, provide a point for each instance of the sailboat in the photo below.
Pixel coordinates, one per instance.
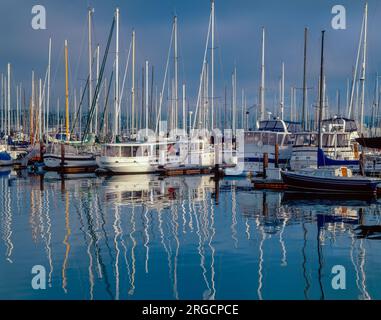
(138, 156)
(331, 180)
(143, 152)
(67, 156)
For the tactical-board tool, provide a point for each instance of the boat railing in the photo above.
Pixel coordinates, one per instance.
(55, 148)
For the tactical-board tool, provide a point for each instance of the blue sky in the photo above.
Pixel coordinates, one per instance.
(238, 25)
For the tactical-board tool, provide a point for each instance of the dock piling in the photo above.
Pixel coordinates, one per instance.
(265, 164)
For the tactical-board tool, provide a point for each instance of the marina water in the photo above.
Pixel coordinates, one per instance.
(147, 237)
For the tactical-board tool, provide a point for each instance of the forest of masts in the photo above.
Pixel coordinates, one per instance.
(28, 108)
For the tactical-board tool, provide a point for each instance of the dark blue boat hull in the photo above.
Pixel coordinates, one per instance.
(328, 185)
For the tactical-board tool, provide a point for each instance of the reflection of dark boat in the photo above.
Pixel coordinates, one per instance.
(371, 142)
(330, 180)
(313, 199)
(369, 232)
(349, 218)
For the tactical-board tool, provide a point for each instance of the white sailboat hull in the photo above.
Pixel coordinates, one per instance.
(128, 165)
(53, 161)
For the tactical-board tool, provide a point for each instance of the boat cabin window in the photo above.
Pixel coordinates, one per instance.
(294, 127)
(111, 151)
(272, 125)
(252, 137)
(126, 151)
(350, 125)
(279, 126)
(332, 140)
(141, 151)
(272, 139)
(342, 140)
(303, 140)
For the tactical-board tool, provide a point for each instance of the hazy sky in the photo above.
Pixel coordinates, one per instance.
(238, 26)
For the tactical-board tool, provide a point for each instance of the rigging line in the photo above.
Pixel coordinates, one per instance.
(202, 74)
(40, 105)
(96, 93)
(80, 50)
(106, 102)
(181, 55)
(219, 52)
(80, 105)
(164, 81)
(57, 66)
(350, 107)
(124, 77)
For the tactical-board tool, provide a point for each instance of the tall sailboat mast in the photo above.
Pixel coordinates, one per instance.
(66, 91)
(321, 90)
(97, 103)
(90, 13)
(234, 99)
(9, 100)
(176, 93)
(146, 100)
(282, 93)
(2, 103)
(304, 111)
(48, 92)
(184, 109)
(40, 104)
(116, 105)
(212, 66)
(133, 85)
(262, 87)
(353, 99)
(363, 73)
(17, 108)
(31, 112)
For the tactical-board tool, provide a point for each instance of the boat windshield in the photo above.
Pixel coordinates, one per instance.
(329, 140)
(350, 125)
(266, 138)
(306, 139)
(294, 127)
(126, 151)
(272, 125)
(335, 140)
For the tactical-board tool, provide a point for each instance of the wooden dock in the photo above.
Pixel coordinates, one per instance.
(70, 170)
(185, 171)
(268, 184)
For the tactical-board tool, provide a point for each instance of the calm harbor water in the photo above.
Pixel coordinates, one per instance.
(146, 237)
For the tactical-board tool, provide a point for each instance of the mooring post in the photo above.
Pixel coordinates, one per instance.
(265, 164)
(276, 155)
(41, 182)
(62, 155)
(361, 164)
(41, 151)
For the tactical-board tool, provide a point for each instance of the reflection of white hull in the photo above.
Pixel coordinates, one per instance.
(53, 161)
(53, 176)
(128, 165)
(249, 164)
